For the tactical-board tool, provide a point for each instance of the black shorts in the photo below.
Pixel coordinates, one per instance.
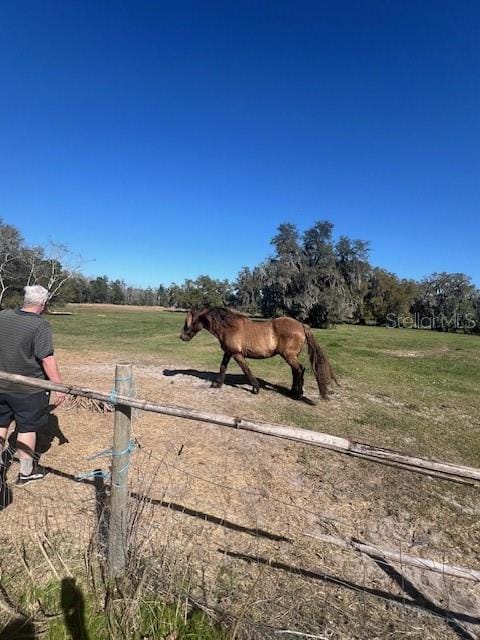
(29, 410)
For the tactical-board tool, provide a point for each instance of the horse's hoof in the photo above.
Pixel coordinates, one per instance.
(215, 385)
(255, 390)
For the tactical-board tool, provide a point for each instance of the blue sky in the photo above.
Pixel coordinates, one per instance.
(164, 140)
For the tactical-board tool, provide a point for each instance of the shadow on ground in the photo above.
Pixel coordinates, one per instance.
(72, 603)
(46, 436)
(416, 600)
(239, 381)
(73, 607)
(19, 629)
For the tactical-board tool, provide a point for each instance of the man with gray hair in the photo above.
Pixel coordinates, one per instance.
(26, 348)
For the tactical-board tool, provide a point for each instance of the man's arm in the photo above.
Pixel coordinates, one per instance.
(50, 367)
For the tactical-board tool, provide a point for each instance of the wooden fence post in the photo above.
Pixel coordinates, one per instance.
(117, 525)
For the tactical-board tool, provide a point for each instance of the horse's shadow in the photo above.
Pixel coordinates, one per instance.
(239, 381)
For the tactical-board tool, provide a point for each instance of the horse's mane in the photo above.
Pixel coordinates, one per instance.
(221, 317)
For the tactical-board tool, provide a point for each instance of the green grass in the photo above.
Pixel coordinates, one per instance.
(401, 381)
(79, 615)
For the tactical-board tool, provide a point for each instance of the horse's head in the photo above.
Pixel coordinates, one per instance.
(194, 322)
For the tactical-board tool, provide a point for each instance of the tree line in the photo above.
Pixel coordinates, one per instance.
(311, 276)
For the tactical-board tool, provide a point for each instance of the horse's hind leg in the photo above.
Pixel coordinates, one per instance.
(240, 360)
(298, 371)
(223, 367)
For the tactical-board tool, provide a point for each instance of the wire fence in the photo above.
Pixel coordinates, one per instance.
(225, 521)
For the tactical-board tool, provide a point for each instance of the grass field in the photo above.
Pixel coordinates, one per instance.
(227, 511)
(411, 389)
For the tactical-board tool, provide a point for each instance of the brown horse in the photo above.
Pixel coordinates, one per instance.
(242, 338)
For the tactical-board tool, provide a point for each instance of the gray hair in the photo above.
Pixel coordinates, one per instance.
(35, 295)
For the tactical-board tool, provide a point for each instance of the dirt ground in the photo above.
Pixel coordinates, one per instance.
(240, 509)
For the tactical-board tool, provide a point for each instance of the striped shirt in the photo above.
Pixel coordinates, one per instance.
(25, 339)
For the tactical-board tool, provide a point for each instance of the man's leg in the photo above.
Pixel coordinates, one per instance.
(3, 442)
(31, 416)
(26, 451)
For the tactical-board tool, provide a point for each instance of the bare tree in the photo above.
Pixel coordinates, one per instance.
(31, 259)
(10, 245)
(51, 267)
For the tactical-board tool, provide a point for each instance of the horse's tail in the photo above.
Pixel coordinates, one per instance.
(321, 366)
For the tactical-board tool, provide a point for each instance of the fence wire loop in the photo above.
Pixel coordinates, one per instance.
(107, 453)
(95, 473)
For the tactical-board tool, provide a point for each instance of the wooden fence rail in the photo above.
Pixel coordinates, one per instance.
(387, 555)
(434, 468)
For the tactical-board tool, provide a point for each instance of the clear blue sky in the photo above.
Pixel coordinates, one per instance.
(169, 139)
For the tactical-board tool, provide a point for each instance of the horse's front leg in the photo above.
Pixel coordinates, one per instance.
(216, 384)
(240, 360)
